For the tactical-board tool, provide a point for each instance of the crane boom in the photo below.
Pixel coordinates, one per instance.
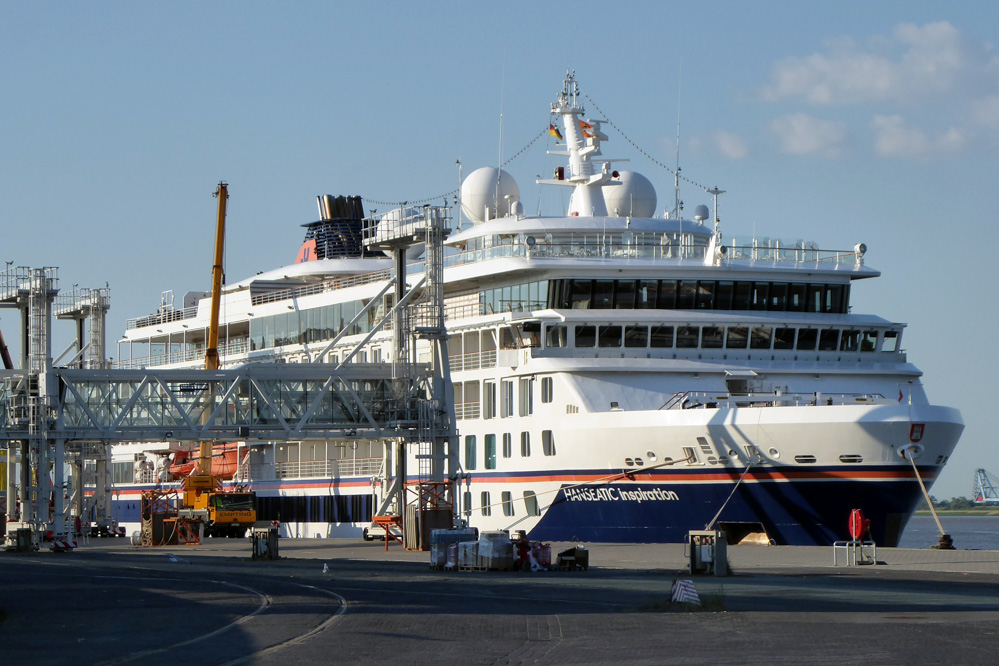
(212, 348)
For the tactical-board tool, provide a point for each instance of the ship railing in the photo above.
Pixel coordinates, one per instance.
(467, 410)
(321, 287)
(655, 247)
(235, 347)
(708, 400)
(162, 317)
(321, 469)
(472, 360)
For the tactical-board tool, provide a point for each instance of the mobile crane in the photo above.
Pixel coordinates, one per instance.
(224, 512)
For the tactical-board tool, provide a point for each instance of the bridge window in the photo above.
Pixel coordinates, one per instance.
(779, 299)
(890, 341)
(687, 295)
(849, 341)
(648, 293)
(738, 337)
(783, 338)
(807, 338)
(760, 337)
(686, 337)
(586, 336)
(661, 336)
(636, 336)
(667, 295)
(624, 294)
(603, 294)
(705, 294)
(557, 336)
(711, 337)
(870, 341)
(610, 336)
(828, 339)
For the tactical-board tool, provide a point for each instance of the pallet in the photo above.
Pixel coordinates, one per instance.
(483, 569)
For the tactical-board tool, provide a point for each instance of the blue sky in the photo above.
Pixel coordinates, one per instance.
(836, 122)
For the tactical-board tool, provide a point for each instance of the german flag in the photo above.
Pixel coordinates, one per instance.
(553, 131)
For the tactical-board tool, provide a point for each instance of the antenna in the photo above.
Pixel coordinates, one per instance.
(676, 174)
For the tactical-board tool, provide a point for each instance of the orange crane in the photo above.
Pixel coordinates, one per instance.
(224, 512)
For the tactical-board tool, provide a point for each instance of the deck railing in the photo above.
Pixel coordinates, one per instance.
(704, 400)
(316, 469)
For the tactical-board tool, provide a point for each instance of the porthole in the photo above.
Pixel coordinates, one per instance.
(651, 456)
(774, 452)
(804, 459)
(639, 462)
(851, 458)
(629, 462)
(712, 460)
(733, 454)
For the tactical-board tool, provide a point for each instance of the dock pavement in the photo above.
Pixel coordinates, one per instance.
(344, 602)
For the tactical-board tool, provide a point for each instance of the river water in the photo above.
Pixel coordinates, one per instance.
(968, 532)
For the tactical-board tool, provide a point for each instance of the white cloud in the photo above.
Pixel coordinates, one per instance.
(802, 134)
(895, 138)
(915, 62)
(730, 145)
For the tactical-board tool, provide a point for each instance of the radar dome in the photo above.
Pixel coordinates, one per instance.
(634, 197)
(488, 193)
(701, 213)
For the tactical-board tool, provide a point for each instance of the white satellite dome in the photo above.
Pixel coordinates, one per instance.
(634, 197)
(488, 192)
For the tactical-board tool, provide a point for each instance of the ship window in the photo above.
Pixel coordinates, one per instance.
(687, 295)
(741, 300)
(667, 294)
(487, 508)
(711, 337)
(851, 458)
(890, 342)
(624, 294)
(507, 503)
(797, 298)
(610, 336)
(806, 460)
(758, 300)
(850, 341)
(531, 503)
(723, 295)
(783, 338)
(547, 443)
(686, 337)
(506, 398)
(603, 294)
(705, 294)
(738, 337)
(760, 338)
(586, 336)
(834, 299)
(779, 296)
(488, 400)
(580, 292)
(525, 444)
(507, 445)
(490, 443)
(690, 455)
(526, 396)
(636, 336)
(546, 389)
(466, 500)
(828, 339)
(469, 451)
(816, 301)
(870, 341)
(648, 292)
(557, 336)
(807, 337)
(661, 336)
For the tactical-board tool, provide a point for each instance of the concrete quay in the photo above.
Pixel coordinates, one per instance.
(112, 603)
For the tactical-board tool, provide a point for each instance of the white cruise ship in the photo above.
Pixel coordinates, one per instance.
(617, 376)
